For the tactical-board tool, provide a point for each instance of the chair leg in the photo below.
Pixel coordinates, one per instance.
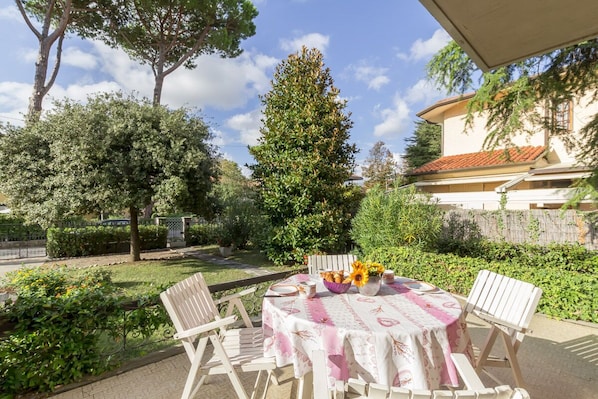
(304, 386)
(195, 364)
(230, 370)
(266, 384)
(514, 363)
(486, 349)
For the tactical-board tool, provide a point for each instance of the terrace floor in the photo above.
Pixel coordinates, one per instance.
(559, 360)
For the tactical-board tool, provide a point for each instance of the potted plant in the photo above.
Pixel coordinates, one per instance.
(226, 243)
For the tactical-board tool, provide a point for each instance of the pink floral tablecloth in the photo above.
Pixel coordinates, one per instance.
(399, 337)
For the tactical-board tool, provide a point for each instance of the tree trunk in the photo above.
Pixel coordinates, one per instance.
(46, 39)
(135, 240)
(158, 83)
(39, 81)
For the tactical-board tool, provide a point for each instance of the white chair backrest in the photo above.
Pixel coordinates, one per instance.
(509, 301)
(359, 389)
(190, 304)
(318, 263)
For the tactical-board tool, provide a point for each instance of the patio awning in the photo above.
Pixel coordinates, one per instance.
(499, 32)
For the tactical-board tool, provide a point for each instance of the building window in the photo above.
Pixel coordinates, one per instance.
(562, 117)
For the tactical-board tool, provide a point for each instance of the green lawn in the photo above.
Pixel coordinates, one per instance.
(143, 277)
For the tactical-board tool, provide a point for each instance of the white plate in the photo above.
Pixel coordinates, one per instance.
(420, 286)
(284, 289)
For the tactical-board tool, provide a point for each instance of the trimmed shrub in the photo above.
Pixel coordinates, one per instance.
(202, 234)
(99, 240)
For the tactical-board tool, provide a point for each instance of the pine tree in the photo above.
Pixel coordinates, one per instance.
(423, 146)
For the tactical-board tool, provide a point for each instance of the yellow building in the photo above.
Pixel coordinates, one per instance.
(537, 174)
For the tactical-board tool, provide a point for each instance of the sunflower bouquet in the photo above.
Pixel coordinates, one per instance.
(363, 271)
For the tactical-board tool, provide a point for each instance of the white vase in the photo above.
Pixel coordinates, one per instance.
(372, 287)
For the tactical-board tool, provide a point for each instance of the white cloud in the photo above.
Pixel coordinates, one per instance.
(76, 57)
(128, 74)
(374, 77)
(219, 138)
(310, 40)
(395, 120)
(80, 92)
(421, 49)
(423, 91)
(13, 101)
(28, 55)
(10, 12)
(248, 125)
(216, 82)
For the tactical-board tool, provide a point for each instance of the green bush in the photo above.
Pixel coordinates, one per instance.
(202, 234)
(58, 320)
(98, 240)
(401, 217)
(567, 293)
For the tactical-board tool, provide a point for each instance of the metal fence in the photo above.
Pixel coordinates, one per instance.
(21, 241)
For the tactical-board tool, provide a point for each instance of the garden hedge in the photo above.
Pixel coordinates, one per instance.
(567, 276)
(100, 240)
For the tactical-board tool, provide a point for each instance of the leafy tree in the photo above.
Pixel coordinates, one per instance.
(56, 18)
(424, 145)
(303, 160)
(235, 200)
(113, 153)
(231, 185)
(166, 34)
(510, 95)
(381, 167)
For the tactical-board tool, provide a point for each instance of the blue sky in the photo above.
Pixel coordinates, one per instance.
(376, 52)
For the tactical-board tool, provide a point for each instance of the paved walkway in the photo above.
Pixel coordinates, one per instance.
(559, 360)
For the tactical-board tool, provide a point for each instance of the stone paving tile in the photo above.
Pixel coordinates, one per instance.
(559, 361)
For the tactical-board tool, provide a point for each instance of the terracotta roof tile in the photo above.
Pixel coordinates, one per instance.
(481, 159)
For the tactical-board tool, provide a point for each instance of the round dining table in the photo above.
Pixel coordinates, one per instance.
(403, 336)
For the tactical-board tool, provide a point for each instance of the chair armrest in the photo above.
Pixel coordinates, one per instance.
(494, 320)
(214, 325)
(235, 295)
(234, 301)
(468, 374)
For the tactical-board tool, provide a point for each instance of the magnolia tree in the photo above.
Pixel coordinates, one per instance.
(303, 161)
(114, 153)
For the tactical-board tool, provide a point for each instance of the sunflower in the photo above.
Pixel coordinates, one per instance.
(362, 271)
(359, 275)
(374, 268)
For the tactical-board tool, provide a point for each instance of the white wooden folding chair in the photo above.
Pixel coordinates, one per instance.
(318, 263)
(508, 305)
(196, 317)
(474, 389)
